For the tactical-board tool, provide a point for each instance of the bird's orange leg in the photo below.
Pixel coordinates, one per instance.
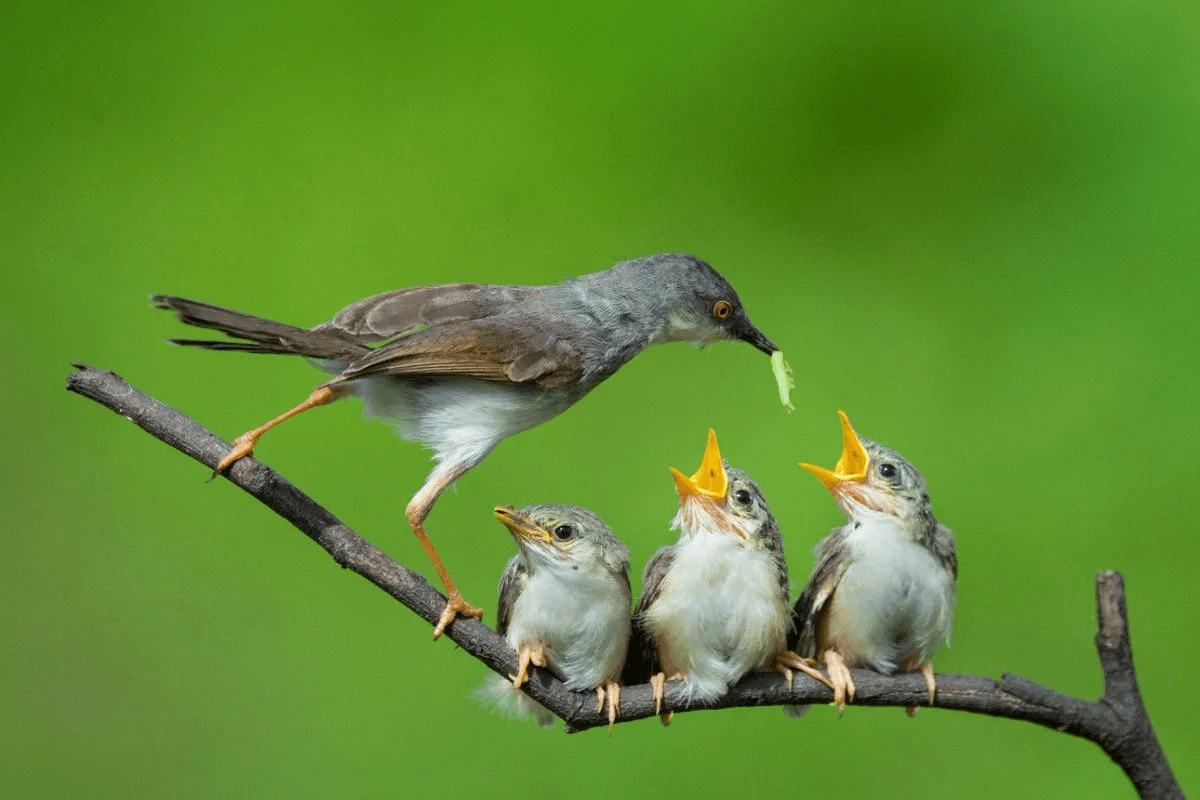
(528, 654)
(613, 691)
(658, 685)
(785, 661)
(418, 509)
(930, 682)
(926, 671)
(244, 444)
(843, 684)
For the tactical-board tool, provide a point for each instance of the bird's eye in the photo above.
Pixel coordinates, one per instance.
(742, 496)
(564, 532)
(887, 470)
(722, 309)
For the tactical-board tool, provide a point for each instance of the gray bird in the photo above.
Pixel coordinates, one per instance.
(714, 605)
(882, 592)
(460, 367)
(564, 599)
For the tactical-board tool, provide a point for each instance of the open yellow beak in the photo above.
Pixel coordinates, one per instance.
(710, 479)
(853, 464)
(520, 526)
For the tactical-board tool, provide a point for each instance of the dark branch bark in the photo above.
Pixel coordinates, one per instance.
(1117, 722)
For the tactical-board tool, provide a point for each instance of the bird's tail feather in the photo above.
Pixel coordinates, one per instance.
(501, 696)
(260, 335)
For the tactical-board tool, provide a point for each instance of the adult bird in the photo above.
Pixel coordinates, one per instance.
(564, 600)
(882, 592)
(460, 367)
(714, 605)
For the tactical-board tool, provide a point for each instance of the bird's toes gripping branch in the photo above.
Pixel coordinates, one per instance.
(839, 674)
(455, 605)
(786, 661)
(926, 671)
(526, 655)
(611, 691)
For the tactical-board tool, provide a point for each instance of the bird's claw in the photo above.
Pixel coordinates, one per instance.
(926, 671)
(242, 447)
(455, 605)
(611, 691)
(843, 684)
(786, 661)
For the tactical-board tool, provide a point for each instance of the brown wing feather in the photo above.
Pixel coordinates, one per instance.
(382, 316)
(642, 659)
(833, 557)
(512, 583)
(943, 547)
(490, 350)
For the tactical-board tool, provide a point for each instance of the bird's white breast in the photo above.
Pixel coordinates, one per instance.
(582, 619)
(460, 419)
(720, 613)
(895, 601)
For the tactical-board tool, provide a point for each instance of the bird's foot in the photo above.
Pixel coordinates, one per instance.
(242, 447)
(786, 661)
(611, 691)
(658, 684)
(455, 605)
(839, 674)
(528, 654)
(930, 684)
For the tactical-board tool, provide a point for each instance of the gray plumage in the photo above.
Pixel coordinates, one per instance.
(570, 335)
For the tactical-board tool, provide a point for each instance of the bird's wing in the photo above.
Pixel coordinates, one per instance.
(512, 583)
(833, 557)
(642, 659)
(402, 311)
(944, 548)
(507, 350)
(775, 545)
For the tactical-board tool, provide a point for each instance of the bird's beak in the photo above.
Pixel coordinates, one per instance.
(748, 333)
(520, 526)
(851, 467)
(710, 480)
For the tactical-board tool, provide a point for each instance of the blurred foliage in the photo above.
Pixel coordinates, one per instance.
(972, 226)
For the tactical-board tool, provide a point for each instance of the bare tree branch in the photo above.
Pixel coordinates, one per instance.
(1117, 722)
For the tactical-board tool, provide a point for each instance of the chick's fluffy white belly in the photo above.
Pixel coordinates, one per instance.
(894, 602)
(460, 419)
(583, 622)
(721, 613)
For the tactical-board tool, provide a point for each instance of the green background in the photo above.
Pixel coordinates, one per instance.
(974, 227)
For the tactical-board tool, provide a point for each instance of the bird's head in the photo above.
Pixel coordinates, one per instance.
(562, 538)
(699, 305)
(869, 476)
(721, 498)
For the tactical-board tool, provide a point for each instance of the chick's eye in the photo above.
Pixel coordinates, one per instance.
(564, 532)
(887, 470)
(722, 309)
(742, 496)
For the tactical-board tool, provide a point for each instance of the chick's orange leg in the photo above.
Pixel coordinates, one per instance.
(839, 674)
